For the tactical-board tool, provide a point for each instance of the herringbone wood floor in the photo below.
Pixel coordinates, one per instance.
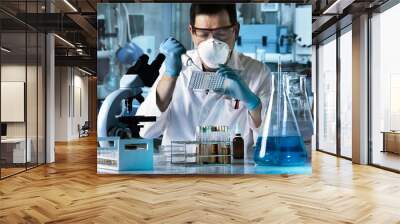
(70, 191)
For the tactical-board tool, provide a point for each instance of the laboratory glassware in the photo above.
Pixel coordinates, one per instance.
(297, 94)
(279, 142)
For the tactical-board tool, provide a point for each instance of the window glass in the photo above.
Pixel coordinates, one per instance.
(327, 97)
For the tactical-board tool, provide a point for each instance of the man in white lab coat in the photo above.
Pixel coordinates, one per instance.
(179, 109)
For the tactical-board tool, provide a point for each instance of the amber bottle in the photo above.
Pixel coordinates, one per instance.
(238, 146)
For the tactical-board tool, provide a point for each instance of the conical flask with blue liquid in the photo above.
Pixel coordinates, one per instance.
(297, 93)
(280, 142)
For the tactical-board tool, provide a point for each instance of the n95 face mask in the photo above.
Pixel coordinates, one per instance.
(213, 52)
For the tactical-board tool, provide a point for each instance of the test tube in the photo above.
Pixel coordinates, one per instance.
(210, 133)
(203, 133)
(203, 136)
(213, 128)
(228, 134)
(223, 133)
(219, 133)
(215, 134)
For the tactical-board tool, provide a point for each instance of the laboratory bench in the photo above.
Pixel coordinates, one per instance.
(162, 165)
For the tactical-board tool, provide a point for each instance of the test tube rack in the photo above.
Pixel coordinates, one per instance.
(194, 153)
(125, 154)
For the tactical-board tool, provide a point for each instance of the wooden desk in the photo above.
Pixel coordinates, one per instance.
(391, 141)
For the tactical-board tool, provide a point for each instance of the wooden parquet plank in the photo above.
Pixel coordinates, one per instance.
(70, 191)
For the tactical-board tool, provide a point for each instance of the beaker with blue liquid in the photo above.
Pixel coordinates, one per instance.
(280, 142)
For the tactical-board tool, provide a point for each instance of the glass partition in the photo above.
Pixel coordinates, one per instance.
(385, 89)
(31, 98)
(346, 93)
(22, 88)
(15, 152)
(41, 96)
(327, 96)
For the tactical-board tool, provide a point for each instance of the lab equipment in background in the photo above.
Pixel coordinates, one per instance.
(260, 54)
(148, 44)
(108, 43)
(279, 142)
(258, 36)
(283, 31)
(212, 146)
(118, 45)
(283, 45)
(124, 155)
(206, 80)
(129, 53)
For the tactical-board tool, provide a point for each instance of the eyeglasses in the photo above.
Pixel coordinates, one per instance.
(221, 33)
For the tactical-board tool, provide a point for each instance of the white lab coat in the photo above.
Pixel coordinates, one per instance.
(190, 108)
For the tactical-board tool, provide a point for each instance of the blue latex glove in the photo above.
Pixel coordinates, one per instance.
(236, 88)
(172, 50)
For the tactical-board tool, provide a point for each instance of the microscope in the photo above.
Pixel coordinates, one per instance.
(120, 147)
(116, 117)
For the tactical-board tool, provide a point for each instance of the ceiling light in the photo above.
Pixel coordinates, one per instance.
(337, 7)
(331, 7)
(84, 71)
(70, 5)
(65, 41)
(5, 50)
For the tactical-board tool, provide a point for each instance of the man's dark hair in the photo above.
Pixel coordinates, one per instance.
(212, 9)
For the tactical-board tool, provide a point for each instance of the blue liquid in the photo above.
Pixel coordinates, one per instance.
(280, 151)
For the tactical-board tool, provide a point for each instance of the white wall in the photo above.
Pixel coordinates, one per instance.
(14, 72)
(33, 126)
(80, 98)
(61, 103)
(71, 94)
(17, 73)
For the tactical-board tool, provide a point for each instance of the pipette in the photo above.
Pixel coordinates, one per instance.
(188, 61)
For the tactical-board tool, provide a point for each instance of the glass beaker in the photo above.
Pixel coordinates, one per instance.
(279, 142)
